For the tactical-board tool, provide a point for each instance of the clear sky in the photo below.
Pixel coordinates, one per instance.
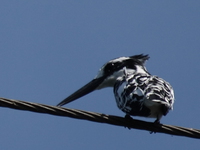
(49, 49)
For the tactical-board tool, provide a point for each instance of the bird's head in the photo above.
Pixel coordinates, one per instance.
(109, 73)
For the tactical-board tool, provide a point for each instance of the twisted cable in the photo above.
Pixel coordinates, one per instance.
(101, 118)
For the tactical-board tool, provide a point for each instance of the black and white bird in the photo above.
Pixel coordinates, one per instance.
(136, 91)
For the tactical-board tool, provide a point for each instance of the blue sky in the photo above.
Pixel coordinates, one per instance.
(50, 48)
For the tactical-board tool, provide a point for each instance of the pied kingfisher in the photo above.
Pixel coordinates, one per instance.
(137, 92)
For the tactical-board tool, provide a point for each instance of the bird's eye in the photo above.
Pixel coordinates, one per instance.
(110, 67)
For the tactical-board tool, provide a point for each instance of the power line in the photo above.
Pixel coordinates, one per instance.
(101, 118)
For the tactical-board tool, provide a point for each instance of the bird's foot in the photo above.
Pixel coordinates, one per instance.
(156, 124)
(128, 119)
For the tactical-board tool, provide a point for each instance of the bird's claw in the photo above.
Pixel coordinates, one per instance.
(156, 124)
(128, 119)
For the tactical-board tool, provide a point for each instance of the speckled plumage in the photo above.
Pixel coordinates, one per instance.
(143, 95)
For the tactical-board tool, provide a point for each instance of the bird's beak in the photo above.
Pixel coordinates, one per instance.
(88, 88)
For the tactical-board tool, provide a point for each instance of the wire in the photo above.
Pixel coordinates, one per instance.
(101, 118)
